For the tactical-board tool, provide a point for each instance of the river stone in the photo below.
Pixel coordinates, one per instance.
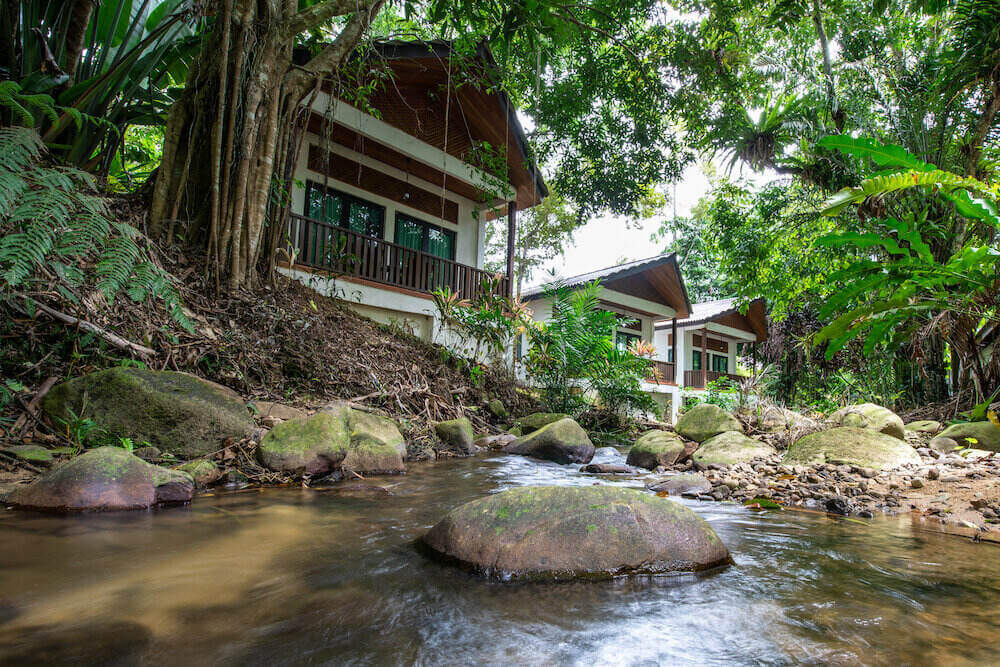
(986, 434)
(592, 532)
(30, 453)
(495, 441)
(870, 416)
(497, 409)
(103, 479)
(457, 434)
(535, 421)
(928, 426)
(204, 472)
(335, 438)
(280, 411)
(861, 447)
(562, 441)
(607, 469)
(177, 412)
(943, 444)
(730, 448)
(705, 420)
(655, 448)
(676, 485)
(775, 419)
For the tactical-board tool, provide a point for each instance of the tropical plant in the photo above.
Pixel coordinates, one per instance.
(487, 323)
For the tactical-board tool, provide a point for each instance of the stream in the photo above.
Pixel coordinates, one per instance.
(292, 576)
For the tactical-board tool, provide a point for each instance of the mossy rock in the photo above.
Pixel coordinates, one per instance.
(591, 532)
(457, 434)
(985, 433)
(870, 416)
(685, 483)
(177, 412)
(497, 409)
(730, 448)
(104, 479)
(928, 426)
(704, 420)
(533, 422)
(335, 438)
(563, 441)
(203, 472)
(655, 448)
(776, 419)
(855, 446)
(30, 453)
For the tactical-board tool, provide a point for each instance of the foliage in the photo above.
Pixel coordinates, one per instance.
(488, 321)
(721, 392)
(56, 234)
(574, 352)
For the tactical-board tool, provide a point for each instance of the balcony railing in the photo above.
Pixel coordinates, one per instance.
(323, 246)
(700, 379)
(663, 373)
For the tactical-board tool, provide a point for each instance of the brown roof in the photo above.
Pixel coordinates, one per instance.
(726, 312)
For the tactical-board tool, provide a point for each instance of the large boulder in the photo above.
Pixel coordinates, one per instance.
(987, 435)
(776, 419)
(562, 441)
(334, 439)
(870, 416)
(533, 422)
(855, 446)
(177, 412)
(928, 426)
(705, 420)
(655, 448)
(730, 448)
(576, 532)
(457, 435)
(104, 479)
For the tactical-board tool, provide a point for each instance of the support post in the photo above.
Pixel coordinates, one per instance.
(511, 238)
(755, 357)
(673, 348)
(704, 357)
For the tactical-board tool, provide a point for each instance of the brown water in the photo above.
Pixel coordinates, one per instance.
(304, 577)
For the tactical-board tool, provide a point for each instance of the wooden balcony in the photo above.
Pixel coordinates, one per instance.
(663, 373)
(342, 252)
(700, 379)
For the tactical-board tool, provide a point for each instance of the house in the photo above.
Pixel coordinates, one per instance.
(645, 292)
(705, 345)
(390, 199)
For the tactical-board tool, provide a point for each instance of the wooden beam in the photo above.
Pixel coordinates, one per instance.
(673, 340)
(511, 238)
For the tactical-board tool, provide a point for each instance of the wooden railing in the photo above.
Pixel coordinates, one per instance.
(323, 246)
(700, 379)
(663, 373)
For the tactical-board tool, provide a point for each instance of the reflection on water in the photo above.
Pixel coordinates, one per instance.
(309, 577)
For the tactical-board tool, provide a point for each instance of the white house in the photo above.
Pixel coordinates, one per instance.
(706, 345)
(387, 200)
(645, 291)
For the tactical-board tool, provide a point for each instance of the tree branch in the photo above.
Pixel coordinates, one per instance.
(318, 14)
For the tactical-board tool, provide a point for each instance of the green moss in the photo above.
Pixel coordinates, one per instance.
(856, 446)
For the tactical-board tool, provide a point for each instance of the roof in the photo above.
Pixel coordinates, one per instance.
(654, 278)
(728, 311)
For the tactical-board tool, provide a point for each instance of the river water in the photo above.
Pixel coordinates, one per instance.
(291, 576)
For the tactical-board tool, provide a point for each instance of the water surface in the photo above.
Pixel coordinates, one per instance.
(288, 576)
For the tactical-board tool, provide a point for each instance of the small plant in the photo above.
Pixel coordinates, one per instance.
(80, 429)
(126, 444)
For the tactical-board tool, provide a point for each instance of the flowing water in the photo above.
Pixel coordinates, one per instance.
(287, 576)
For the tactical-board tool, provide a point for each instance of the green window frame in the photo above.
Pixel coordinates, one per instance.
(720, 363)
(419, 235)
(344, 210)
(624, 339)
(696, 360)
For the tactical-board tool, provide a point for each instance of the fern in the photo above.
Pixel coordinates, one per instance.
(53, 224)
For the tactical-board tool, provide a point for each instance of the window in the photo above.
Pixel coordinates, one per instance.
(423, 236)
(696, 360)
(624, 340)
(670, 355)
(720, 364)
(344, 210)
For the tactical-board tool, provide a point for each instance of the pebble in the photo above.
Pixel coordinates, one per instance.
(950, 478)
(916, 483)
(933, 474)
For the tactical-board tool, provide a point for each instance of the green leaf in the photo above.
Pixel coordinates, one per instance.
(884, 155)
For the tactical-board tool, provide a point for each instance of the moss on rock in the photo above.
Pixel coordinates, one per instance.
(928, 426)
(705, 420)
(533, 422)
(562, 441)
(588, 532)
(203, 472)
(457, 434)
(870, 416)
(177, 412)
(655, 448)
(730, 448)
(855, 446)
(986, 435)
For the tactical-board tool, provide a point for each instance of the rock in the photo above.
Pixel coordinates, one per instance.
(576, 532)
(607, 469)
(495, 441)
(457, 435)
(335, 438)
(30, 453)
(943, 444)
(235, 480)
(655, 448)
(678, 485)
(987, 435)
(870, 416)
(203, 472)
(497, 409)
(729, 448)
(933, 474)
(775, 419)
(838, 505)
(705, 420)
(916, 483)
(606, 453)
(928, 426)
(270, 422)
(533, 422)
(857, 446)
(104, 479)
(266, 410)
(176, 412)
(355, 489)
(148, 453)
(562, 441)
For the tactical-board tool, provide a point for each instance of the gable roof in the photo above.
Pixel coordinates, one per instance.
(658, 277)
(725, 311)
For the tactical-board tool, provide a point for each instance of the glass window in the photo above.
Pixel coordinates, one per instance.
(720, 364)
(696, 360)
(423, 236)
(344, 210)
(625, 340)
(670, 355)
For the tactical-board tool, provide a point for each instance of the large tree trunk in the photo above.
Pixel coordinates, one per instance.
(233, 131)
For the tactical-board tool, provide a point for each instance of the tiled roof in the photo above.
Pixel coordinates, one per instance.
(611, 272)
